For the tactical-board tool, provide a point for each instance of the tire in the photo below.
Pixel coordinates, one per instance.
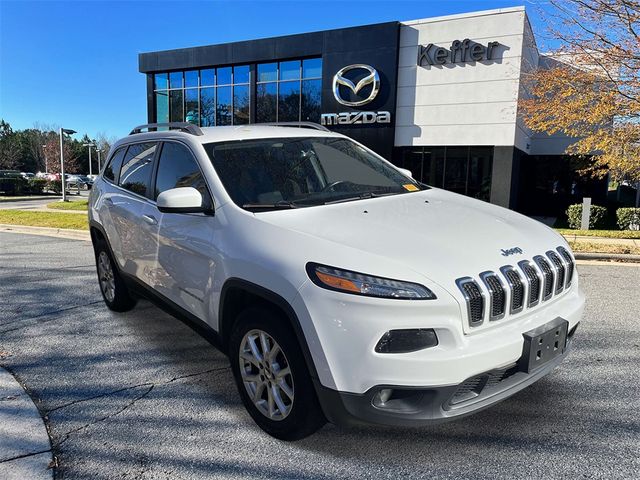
(114, 291)
(301, 415)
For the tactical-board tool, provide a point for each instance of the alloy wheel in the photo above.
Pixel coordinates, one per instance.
(266, 374)
(106, 276)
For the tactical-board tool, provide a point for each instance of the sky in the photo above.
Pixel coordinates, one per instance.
(75, 63)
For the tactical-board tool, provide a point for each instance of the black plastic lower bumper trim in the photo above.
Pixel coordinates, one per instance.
(416, 406)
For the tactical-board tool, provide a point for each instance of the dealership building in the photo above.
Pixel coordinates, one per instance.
(438, 96)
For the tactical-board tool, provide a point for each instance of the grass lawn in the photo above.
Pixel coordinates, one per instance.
(635, 234)
(77, 205)
(586, 247)
(44, 219)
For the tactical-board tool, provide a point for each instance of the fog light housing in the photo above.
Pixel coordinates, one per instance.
(407, 340)
(382, 397)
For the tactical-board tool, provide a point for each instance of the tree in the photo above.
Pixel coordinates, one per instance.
(590, 88)
(52, 151)
(104, 142)
(9, 147)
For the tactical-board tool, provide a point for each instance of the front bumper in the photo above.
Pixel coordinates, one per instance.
(415, 406)
(342, 331)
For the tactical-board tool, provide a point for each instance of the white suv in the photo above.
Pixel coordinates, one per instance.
(340, 288)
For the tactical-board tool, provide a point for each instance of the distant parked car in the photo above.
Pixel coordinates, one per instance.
(28, 174)
(82, 182)
(73, 184)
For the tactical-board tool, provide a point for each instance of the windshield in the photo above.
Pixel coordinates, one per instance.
(303, 171)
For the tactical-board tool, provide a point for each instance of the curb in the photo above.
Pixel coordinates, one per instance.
(46, 231)
(618, 257)
(26, 199)
(25, 447)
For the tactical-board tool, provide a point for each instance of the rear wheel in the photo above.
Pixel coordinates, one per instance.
(114, 291)
(272, 376)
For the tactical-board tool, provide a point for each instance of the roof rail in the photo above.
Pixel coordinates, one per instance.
(313, 125)
(182, 126)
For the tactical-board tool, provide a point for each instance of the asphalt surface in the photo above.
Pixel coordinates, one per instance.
(140, 395)
(39, 203)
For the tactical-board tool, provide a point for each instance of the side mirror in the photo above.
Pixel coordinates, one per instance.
(408, 173)
(180, 200)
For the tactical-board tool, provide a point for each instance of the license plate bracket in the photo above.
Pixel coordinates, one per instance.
(543, 344)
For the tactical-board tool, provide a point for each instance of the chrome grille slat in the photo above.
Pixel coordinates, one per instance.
(570, 264)
(547, 275)
(516, 286)
(533, 281)
(474, 299)
(497, 295)
(560, 270)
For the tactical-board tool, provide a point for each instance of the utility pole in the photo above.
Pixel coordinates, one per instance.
(63, 183)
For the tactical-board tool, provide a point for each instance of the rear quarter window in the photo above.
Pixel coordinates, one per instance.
(137, 166)
(112, 170)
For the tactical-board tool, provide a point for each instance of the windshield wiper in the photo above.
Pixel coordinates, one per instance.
(362, 196)
(283, 205)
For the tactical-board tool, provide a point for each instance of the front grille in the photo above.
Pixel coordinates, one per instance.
(516, 286)
(570, 264)
(547, 274)
(533, 279)
(520, 288)
(559, 266)
(467, 390)
(481, 384)
(475, 301)
(497, 296)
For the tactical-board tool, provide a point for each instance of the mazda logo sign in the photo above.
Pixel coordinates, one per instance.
(372, 78)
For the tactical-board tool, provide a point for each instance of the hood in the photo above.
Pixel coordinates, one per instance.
(439, 234)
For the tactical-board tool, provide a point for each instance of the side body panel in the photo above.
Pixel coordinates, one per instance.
(186, 260)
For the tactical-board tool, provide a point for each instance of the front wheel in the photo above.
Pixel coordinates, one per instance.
(114, 291)
(272, 376)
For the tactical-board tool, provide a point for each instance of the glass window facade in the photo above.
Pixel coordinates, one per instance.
(465, 170)
(206, 97)
(233, 95)
(289, 91)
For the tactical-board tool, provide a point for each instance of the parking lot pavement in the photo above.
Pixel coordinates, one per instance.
(39, 203)
(140, 395)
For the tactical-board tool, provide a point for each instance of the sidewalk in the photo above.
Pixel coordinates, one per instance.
(25, 449)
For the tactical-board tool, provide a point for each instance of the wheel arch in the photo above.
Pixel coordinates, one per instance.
(238, 294)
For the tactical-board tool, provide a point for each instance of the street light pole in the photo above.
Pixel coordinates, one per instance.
(89, 145)
(99, 166)
(44, 151)
(70, 132)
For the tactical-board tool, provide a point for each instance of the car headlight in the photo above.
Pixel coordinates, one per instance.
(356, 283)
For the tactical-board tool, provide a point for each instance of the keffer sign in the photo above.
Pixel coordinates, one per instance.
(362, 92)
(459, 52)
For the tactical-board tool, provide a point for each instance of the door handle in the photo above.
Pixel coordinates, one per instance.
(108, 201)
(150, 219)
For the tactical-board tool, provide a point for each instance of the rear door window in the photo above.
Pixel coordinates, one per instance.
(112, 170)
(135, 174)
